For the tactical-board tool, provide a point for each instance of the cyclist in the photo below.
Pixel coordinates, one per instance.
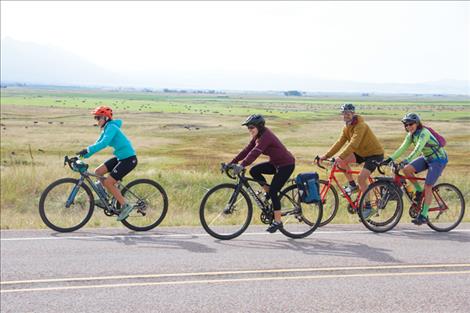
(281, 162)
(433, 158)
(123, 162)
(363, 147)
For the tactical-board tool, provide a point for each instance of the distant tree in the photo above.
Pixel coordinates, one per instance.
(293, 93)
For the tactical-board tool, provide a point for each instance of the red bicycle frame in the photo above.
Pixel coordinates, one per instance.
(332, 178)
(400, 180)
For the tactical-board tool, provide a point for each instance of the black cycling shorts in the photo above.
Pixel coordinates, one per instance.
(120, 168)
(369, 161)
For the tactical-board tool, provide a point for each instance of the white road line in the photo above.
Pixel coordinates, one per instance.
(235, 280)
(207, 235)
(240, 272)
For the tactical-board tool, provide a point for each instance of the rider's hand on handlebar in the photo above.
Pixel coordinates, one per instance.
(403, 164)
(237, 168)
(82, 152)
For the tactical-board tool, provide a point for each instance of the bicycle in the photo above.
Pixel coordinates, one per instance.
(68, 203)
(446, 211)
(226, 210)
(330, 198)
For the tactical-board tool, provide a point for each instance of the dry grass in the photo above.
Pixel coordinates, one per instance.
(181, 151)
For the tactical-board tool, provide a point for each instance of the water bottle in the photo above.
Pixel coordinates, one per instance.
(409, 188)
(101, 190)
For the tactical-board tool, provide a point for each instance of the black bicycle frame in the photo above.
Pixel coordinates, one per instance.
(244, 181)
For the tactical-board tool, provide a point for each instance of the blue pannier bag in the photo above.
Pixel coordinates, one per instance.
(309, 188)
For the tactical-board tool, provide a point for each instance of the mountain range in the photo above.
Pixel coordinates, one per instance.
(32, 63)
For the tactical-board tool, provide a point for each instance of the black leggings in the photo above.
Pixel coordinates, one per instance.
(281, 175)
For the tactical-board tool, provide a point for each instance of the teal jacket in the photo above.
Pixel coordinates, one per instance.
(112, 136)
(424, 143)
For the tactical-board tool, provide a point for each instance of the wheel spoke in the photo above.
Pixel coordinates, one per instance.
(155, 201)
(450, 207)
(222, 219)
(385, 208)
(299, 220)
(53, 210)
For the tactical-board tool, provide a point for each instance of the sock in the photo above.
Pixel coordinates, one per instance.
(417, 186)
(425, 210)
(352, 183)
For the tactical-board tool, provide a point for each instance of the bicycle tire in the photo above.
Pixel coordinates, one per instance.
(128, 222)
(392, 221)
(335, 207)
(434, 226)
(212, 230)
(42, 209)
(312, 224)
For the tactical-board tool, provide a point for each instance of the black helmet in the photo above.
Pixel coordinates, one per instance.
(255, 120)
(348, 107)
(411, 118)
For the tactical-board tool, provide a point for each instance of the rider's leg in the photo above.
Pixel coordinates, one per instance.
(434, 172)
(258, 170)
(370, 164)
(344, 164)
(106, 167)
(122, 168)
(109, 183)
(362, 179)
(410, 171)
(427, 200)
(279, 180)
(101, 171)
(416, 166)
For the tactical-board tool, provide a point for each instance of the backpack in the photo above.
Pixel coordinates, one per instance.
(308, 186)
(442, 141)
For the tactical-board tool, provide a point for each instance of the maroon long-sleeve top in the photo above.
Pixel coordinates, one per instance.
(267, 144)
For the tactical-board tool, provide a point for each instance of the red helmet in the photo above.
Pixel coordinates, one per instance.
(103, 111)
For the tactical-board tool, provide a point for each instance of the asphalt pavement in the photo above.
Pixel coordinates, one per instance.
(339, 268)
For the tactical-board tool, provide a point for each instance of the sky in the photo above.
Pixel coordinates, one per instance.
(377, 42)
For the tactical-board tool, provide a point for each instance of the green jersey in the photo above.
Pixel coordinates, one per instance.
(425, 143)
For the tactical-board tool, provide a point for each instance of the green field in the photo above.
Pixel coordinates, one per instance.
(181, 139)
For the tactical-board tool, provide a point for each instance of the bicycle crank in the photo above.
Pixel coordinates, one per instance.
(266, 217)
(414, 212)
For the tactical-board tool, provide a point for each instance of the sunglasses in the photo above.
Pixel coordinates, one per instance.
(409, 124)
(251, 127)
(98, 118)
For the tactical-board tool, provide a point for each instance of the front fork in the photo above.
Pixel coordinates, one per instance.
(233, 198)
(74, 192)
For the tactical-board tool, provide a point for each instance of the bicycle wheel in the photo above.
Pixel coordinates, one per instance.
(53, 210)
(330, 202)
(223, 214)
(151, 204)
(299, 219)
(387, 207)
(447, 208)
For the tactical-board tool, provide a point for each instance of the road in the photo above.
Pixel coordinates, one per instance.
(339, 268)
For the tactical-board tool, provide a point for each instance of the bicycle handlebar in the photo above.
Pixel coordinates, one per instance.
(317, 162)
(227, 169)
(393, 165)
(70, 161)
(75, 164)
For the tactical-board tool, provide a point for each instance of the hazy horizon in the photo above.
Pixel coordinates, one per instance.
(251, 46)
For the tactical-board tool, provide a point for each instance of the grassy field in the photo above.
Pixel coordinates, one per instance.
(181, 139)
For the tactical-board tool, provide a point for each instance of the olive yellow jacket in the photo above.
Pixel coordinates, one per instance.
(360, 138)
